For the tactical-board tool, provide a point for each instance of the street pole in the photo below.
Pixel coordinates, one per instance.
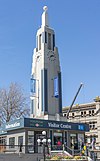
(44, 150)
(45, 141)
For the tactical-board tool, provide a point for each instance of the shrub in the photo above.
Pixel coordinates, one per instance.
(79, 157)
(60, 156)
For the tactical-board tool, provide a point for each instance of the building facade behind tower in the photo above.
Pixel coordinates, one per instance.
(46, 92)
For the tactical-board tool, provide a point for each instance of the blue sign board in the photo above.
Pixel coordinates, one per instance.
(81, 127)
(56, 90)
(12, 125)
(50, 124)
(33, 85)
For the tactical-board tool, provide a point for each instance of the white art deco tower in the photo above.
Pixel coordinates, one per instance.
(46, 92)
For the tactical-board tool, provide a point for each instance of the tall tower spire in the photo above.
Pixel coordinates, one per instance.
(45, 17)
(46, 95)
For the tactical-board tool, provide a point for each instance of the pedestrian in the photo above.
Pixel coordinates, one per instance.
(85, 149)
(59, 145)
(93, 144)
(59, 142)
(20, 149)
(82, 145)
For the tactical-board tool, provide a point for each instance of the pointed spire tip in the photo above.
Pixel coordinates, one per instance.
(45, 17)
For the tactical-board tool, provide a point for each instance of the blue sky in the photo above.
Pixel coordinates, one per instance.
(77, 27)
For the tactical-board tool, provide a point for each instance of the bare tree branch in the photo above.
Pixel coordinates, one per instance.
(13, 103)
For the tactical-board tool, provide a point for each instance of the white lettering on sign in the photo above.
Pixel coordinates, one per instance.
(54, 125)
(65, 126)
(16, 124)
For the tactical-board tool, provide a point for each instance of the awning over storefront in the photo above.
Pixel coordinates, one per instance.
(38, 123)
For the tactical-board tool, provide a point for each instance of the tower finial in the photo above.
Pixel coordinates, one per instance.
(45, 8)
(45, 17)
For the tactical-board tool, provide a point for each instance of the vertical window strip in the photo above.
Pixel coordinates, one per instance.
(37, 42)
(40, 42)
(45, 37)
(49, 41)
(53, 41)
(46, 90)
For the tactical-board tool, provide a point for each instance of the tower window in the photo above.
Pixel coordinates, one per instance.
(49, 41)
(53, 41)
(40, 42)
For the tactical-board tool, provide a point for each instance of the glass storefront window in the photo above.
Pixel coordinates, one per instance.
(80, 140)
(57, 138)
(12, 142)
(20, 140)
(30, 141)
(74, 141)
(3, 140)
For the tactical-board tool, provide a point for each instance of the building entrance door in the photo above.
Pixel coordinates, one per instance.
(74, 141)
(36, 136)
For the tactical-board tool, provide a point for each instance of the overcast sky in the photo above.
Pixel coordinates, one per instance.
(77, 28)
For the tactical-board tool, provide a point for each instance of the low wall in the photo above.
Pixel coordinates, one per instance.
(66, 160)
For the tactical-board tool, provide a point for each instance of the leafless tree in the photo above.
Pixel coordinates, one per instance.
(13, 103)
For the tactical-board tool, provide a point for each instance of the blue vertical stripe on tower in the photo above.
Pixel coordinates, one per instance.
(60, 92)
(33, 84)
(56, 91)
(44, 90)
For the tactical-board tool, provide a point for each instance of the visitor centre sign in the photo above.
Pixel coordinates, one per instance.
(43, 124)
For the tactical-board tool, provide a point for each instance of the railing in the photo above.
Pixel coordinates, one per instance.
(20, 148)
(10, 148)
(69, 150)
(93, 154)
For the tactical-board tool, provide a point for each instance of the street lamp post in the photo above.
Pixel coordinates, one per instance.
(45, 141)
